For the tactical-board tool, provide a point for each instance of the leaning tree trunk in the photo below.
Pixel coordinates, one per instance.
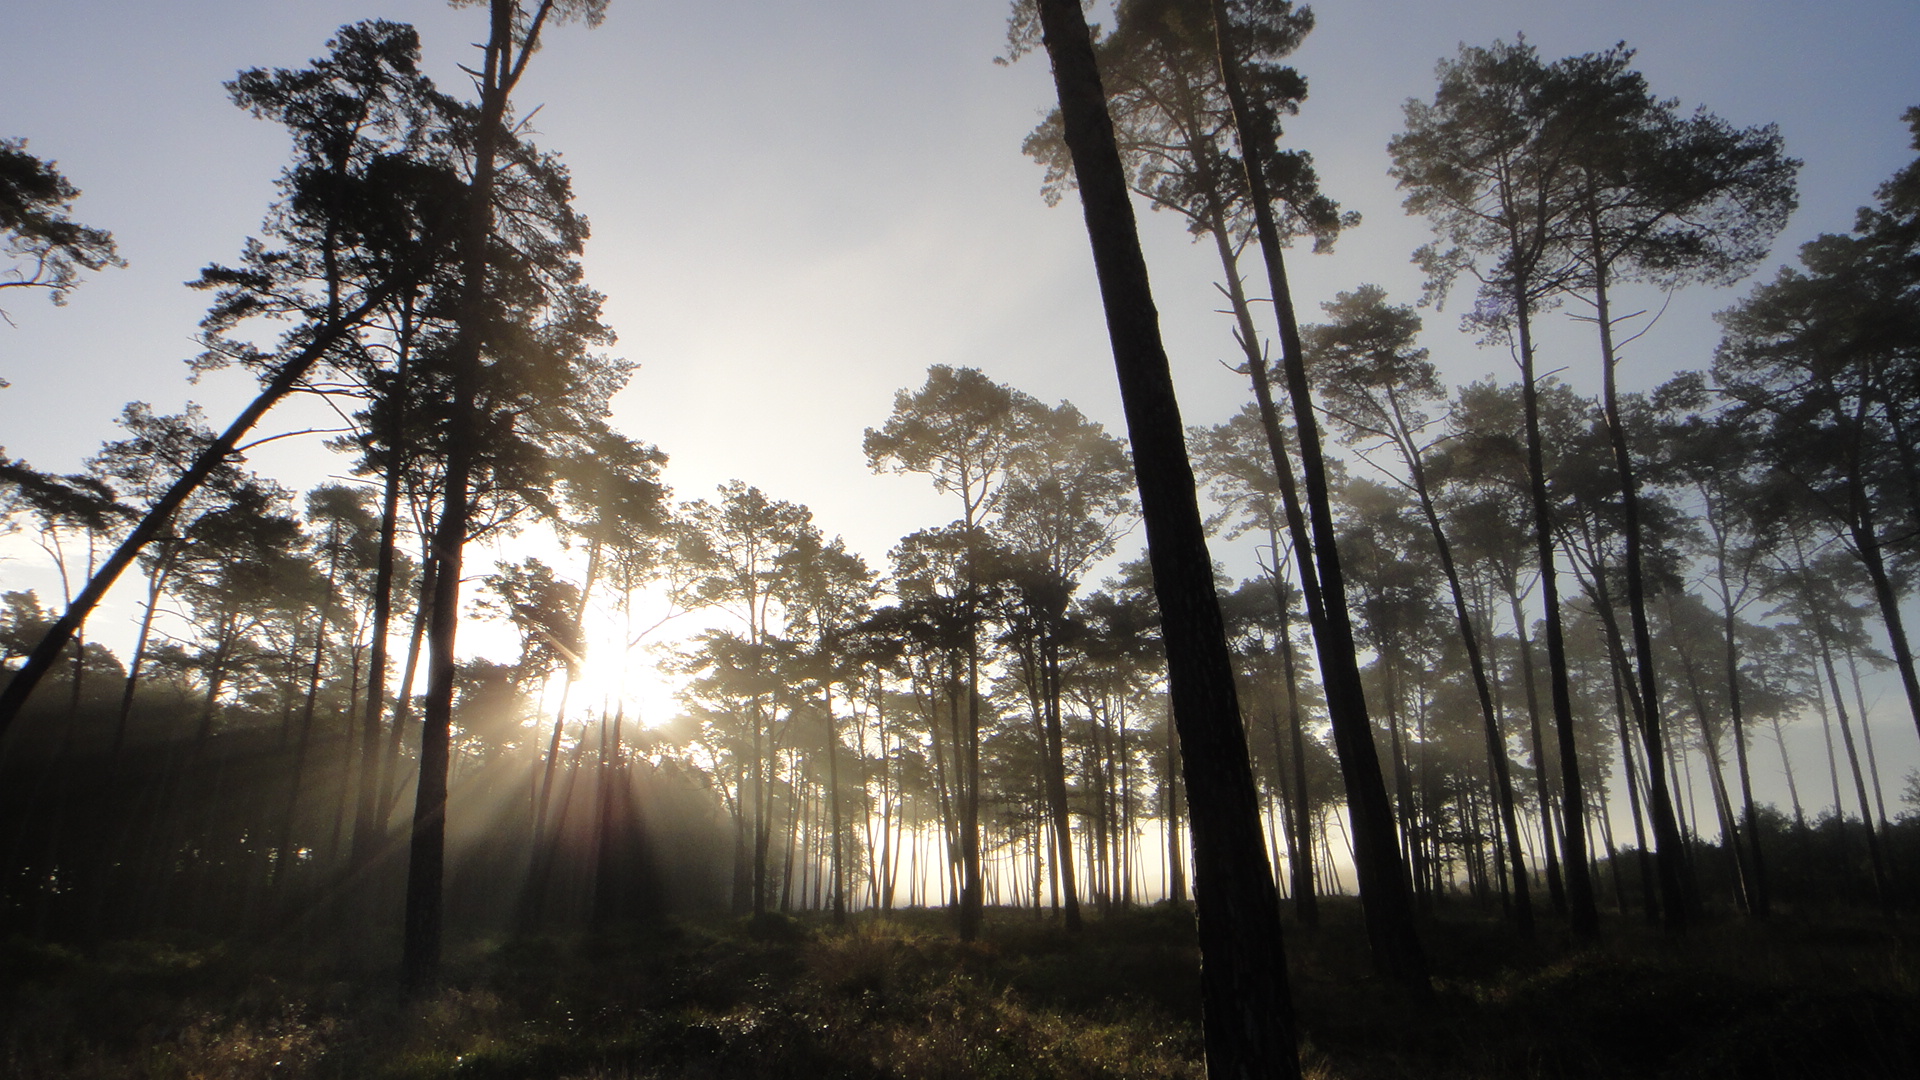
(156, 587)
(1496, 740)
(1729, 623)
(1669, 849)
(47, 652)
(1866, 732)
(392, 782)
(1881, 890)
(1247, 1012)
(1386, 894)
(1866, 546)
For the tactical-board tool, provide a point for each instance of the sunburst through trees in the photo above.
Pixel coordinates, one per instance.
(1499, 647)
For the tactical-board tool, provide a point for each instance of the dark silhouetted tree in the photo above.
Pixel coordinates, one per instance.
(1246, 1007)
(46, 247)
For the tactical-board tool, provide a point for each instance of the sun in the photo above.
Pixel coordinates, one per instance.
(614, 676)
(610, 682)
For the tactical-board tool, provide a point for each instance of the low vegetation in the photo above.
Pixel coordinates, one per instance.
(902, 997)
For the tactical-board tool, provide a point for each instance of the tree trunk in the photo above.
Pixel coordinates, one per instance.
(392, 785)
(366, 834)
(1583, 917)
(1668, 847)
(1543, 787)
(1057, 783)
(1649, 896)
(1385, 891)
(420, 961)
(1881, 890)
(1716, 780)
(833, 802)
(1867, 547)
(1760, 898)
(1247, 1011)
(156, 586)
(1496, 741)
(972, 897)
(47, 652)
(306, 717)
(1306, 901)
(1786, 766)
(1866, 733)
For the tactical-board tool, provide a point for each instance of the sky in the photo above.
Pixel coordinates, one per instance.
(798, 206)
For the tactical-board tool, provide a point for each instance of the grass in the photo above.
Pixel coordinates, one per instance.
(900, 997)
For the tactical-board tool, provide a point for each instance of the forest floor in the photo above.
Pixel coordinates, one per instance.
(900, 997)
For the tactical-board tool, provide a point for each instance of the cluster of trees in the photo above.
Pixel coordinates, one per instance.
(1545, 183)
(1511, 606)
(426, 259)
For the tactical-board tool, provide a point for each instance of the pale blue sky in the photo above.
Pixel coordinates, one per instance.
(798, 206)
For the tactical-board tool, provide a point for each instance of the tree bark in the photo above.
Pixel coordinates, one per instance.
(366, 836)
(1583, 916)
(420, 960)
(1469, 637)
(1385, 891)
(1247, 1012)
(1668, 847)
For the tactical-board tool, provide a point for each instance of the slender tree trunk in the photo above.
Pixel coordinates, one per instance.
(1716, 781)
(1385, 890)
(1403, 803)
(560, 711)
(366, 832)
(156, 587)
(794, 816)
(943, 789)
(762, 836)
(1543, 787)
(1881, 890)
(285, 846)
(1062, 820)
(1786, 766)
(1496, 740)
(1866, 733)
(1583, 916)
(1668, 851)
(47, 652)
(833, 801)
(1750, 817)
(607, 864)
(1649, 896)
(1247, 1011)
(1833, 762)
(1306, 902)
(392, 784)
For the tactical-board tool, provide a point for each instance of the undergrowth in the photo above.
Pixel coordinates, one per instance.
(900, 997)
